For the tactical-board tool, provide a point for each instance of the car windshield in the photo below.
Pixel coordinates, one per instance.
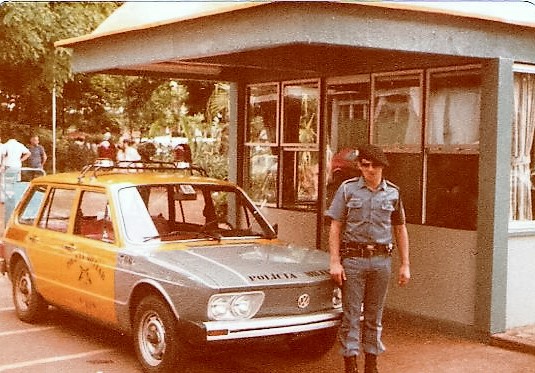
(174, 212)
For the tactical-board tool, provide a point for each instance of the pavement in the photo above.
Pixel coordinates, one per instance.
(422, 346)
(518, 339)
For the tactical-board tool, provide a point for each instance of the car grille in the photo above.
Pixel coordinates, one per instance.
(292, 300)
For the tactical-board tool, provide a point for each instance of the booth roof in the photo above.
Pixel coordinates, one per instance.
(138, 15)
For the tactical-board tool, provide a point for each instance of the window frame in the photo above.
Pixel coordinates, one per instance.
(522, 227)
(396, 148)
(281, 149)
(446, 148)
(248, 112)
(47, 205)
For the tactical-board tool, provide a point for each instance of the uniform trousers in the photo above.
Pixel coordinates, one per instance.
(364, 294)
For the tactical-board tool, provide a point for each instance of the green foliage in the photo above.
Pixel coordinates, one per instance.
(30, 65)
(30, 68)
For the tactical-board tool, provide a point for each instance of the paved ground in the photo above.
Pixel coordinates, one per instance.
(412, 348)
(517, 339)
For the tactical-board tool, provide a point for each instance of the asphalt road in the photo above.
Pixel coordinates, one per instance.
(63, 343)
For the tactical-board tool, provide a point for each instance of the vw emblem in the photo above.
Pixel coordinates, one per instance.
(303, 301)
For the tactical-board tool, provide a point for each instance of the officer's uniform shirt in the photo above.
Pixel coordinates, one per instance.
(367, 215)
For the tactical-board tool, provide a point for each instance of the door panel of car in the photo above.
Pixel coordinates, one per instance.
(48, 244)
(92, 269)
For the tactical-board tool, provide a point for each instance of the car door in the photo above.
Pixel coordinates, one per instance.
(48, 245)
(92, 269)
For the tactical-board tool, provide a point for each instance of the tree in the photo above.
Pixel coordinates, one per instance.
(30, 65)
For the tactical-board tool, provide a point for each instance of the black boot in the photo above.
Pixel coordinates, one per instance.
(370, 364)
(350, 363)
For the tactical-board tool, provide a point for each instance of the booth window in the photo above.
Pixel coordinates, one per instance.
(283, 146)
(438, 178)
(427, 122)
(261, 142)
(452, 147)
(396, 126)
(522, 149)
(347, 113)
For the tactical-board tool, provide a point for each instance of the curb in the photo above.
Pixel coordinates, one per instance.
(506, 341)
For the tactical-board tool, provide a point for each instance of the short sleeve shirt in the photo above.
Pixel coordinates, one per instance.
(368, 216)
(14, 150)
(36, 155)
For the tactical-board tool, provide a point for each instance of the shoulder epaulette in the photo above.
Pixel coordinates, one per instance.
(391, 184)
(352, 180)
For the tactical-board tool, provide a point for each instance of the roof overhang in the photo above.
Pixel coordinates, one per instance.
(229, 40)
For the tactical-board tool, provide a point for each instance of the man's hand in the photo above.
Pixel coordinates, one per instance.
(404, 275)
(337, 273)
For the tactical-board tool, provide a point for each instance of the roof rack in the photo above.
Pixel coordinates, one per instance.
(107, 165)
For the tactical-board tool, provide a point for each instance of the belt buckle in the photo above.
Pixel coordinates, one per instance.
(369, 250)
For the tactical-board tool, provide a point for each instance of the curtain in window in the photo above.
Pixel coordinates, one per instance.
(454, 116)
(523, 130)
(413, 135)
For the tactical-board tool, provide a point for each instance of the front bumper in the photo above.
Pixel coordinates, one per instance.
(270, 326)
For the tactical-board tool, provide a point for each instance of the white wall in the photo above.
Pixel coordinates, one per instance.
(520, 304)
(443, 271)
(294, 226)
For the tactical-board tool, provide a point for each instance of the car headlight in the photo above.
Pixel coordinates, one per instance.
(234, 306)
(337, 297)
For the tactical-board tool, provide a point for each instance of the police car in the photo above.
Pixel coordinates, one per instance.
(177, 260)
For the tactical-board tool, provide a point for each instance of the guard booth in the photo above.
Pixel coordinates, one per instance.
(445, 88)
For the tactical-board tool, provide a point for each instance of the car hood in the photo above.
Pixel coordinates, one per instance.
(249, 265)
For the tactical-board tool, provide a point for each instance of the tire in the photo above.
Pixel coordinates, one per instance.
(30, 307)
(156, 337)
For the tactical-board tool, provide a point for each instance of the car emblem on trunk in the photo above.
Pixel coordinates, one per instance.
(303, 301)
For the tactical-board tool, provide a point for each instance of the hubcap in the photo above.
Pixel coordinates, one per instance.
(152, 339)
(24, 289)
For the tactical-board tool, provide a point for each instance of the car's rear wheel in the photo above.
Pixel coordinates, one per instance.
(29, 305)
(155, 336)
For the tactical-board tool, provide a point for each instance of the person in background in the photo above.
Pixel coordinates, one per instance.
(2, 154)
(147, 150)
(366, 212)
(38, 156)
(182, 153)
(343, 166)
(128, 153)
(107, 148)
(14, 154)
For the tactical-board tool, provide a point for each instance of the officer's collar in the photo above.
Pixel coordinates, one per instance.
(381, 186)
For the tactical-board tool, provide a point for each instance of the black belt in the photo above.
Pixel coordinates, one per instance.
(364, 250)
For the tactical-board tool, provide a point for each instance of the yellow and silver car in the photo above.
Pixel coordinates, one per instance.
(179, 261)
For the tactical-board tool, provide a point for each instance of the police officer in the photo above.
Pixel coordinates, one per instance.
(366, 212)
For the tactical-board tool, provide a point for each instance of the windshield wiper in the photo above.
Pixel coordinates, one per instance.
(203, 234)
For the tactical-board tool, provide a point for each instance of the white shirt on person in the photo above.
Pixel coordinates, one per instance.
(128, 154)
(13, 151)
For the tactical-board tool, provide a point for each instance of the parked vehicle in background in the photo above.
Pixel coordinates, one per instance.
(180, 261)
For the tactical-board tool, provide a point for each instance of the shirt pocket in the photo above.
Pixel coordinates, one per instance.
(387, 206)
(355, 209)
(385, 211)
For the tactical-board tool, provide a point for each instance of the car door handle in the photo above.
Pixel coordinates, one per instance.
(69, 247)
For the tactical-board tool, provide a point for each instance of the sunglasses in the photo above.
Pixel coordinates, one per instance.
(370, 164)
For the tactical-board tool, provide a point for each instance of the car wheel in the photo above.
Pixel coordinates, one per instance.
(29, 305)
(155, 336)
